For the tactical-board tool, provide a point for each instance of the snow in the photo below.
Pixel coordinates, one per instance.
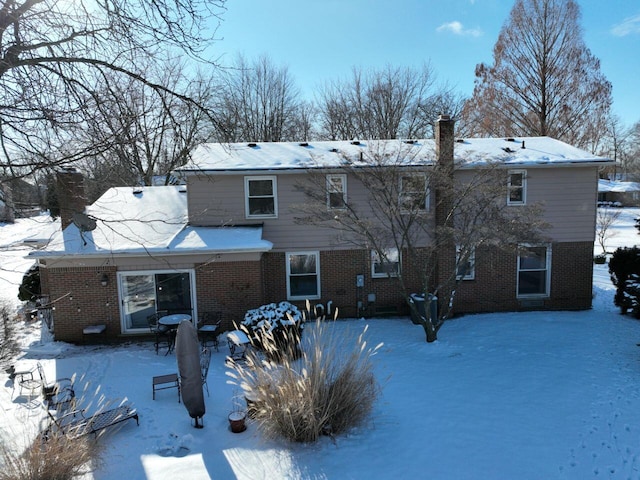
(530, 395)
(468, 152)
(617, 186)
(148, 220)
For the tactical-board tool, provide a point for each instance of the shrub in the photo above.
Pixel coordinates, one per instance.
(58, 458)
(600, 259)
(623, 263)
(283, 322)
(29, 289)
(330, 389)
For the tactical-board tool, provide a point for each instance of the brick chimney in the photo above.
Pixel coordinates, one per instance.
(444, 166)
(70, 192)
(444, 196)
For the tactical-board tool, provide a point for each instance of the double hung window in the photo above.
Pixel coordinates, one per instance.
(517, 187)
(303, 275)
(413, 193)
(261, 197)
(385, 265)
(336, 191)
(534, 267)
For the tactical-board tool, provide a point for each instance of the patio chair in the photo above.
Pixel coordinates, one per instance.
(209, 329)
(205, 360)
(58, 395)
(161, 332)
(75, 424)
(26, 380)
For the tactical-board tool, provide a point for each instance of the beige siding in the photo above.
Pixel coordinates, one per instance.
(567, 194)
(221, 202)
(569, 198)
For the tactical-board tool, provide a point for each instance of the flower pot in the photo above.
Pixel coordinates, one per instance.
(236, 422)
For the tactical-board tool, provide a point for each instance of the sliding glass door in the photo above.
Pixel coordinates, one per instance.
(145, 293)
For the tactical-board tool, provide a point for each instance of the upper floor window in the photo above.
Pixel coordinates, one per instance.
(413, 195)
(260, 196)
(534, 267)
(466, 267)
(336, 191)
(385, 265)
(517, 187)
(303, 275)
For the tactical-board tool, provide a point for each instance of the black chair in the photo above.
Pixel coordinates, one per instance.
(209, 329)
(59, 395)
(162, 334)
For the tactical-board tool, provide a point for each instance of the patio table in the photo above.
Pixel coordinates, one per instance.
(172, 322)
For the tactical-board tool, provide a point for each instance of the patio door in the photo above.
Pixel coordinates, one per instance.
(144, 293)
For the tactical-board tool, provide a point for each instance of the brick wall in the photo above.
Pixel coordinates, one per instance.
(230, 288)
(495, 283)
(338, 271)
(80, 300)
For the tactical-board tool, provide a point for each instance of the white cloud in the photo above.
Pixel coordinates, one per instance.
(458, 29)
(628, 26)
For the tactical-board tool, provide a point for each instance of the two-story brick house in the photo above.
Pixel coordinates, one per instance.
(229, 241)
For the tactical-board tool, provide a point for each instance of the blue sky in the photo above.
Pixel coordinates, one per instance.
(321, 40)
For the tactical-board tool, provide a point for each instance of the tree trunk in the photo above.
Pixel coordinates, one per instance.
(429, 330)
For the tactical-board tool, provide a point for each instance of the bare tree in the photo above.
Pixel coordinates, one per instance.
(51, 51)
(605, 219)
(392, 102)
(259, 102)
(544, 80)
(140, 133)
(469, 215)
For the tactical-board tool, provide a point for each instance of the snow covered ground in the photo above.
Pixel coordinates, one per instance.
(538, 395)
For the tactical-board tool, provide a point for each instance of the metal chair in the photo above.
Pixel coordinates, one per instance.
(58, 395)
(161, 333)
(208, 329)
(26, 379)
(205, 361)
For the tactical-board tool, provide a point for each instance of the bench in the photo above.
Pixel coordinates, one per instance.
(163, 382)
(94, 329)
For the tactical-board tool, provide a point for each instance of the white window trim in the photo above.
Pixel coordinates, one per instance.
(524, 187)
(426, 191)
(121, 296)
(547, 292)
(343, 178)
(471, 275)
(375, 260)
(274, 183)
(288, 267)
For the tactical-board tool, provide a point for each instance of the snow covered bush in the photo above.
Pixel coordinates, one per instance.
(283, 321)
(330, 389)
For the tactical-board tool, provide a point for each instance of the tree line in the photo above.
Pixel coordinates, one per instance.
(101, 87)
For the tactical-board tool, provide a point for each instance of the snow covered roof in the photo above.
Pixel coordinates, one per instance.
(145, 221)
(282, 156)
(617, 186)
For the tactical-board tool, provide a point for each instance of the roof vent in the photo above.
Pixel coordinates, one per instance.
(522, 145)
(510, 139)
(137, 190)
(303, 144)
(410, 142)
(508, 150)
(252, 145)
(355, 142)
(334, 150)
(460, 140)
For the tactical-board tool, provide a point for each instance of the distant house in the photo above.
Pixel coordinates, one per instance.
(228, 240)
(618, 193)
